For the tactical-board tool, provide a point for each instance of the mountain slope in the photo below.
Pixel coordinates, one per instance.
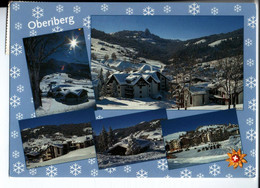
(153, 47)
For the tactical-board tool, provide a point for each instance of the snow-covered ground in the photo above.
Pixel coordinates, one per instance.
(52, 106)
(192, 157)
(78, 154)
(148, 103)
(140, 103)
(105, 161)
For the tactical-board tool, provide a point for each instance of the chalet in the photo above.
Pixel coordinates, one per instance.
(121, 148)
(137, 85)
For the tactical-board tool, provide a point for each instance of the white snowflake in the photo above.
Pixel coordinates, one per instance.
(31, 100)
(251, 135)
(18, 26)
(88, 36)
(94, 172)
(252, 22)
(251, 82)
(253, 153)
(162, 164)
(15, 101)
(167, 9)
(148, 11)
(141, 174)
(110, 170)
(87, 22)
(252, 104)
(33, 171)
(15, 154)
(59, 8)
(99, 117)
(249, 121)
(37, 12)
(20, 88)
(57, 29)
(16, 49)
(250, 62)
(51, 171)
(16, 6)
(237, 8)
(214, 11)
(33, 115)
(18, 167)
(185, 173)
(194, 9)
(167, 176)
(127, 168)
(200, 175)
(19, 116)
(92, 161)
(229, 176)
(214, 169)
(75, 169)
(250, 171)
(33, 33)
(76, 9)
(14, 134)
(14, 72)
(248, 42)
(104, 7)
(129, 11)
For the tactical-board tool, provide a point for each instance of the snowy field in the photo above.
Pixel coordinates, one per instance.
(105, 161)
(78, 154)
(192, 157)
(149, 103)
(52, 106)
(127, 103)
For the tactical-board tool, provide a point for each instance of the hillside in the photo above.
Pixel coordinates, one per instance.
(148, 45)
(67, 130)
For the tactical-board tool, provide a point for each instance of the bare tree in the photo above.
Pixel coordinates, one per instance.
(230, 72)
(37, 51)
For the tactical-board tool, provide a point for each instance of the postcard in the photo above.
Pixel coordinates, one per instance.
(173, 62)
(201, 139)
(59, 72)
(57, 138)
(129, 138)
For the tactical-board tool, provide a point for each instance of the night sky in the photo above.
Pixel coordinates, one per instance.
(170, 27)
(192, 122)
(67, 53)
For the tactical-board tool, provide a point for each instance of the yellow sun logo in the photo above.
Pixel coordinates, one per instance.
(236, 158)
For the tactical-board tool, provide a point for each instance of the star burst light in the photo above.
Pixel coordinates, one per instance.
(236, 158)
(73, 43)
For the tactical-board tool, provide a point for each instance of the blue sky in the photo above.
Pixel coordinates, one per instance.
(170, 27)
(66, 53)
(81, 116)
(127, 120)
(192, 122)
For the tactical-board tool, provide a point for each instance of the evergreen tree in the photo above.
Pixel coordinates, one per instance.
(114, 89)
(103, 138)
(106, 57)
(113, 56)
(111, 137)
(133, 147)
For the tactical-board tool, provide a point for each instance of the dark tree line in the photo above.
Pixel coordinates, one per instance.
(105, 140)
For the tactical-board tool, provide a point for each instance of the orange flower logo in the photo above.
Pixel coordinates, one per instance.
(236, 158)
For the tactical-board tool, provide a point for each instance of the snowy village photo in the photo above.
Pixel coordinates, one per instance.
(172, 62)
(129, 138)
(59, 72)
(201, 139)
(57, 139)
